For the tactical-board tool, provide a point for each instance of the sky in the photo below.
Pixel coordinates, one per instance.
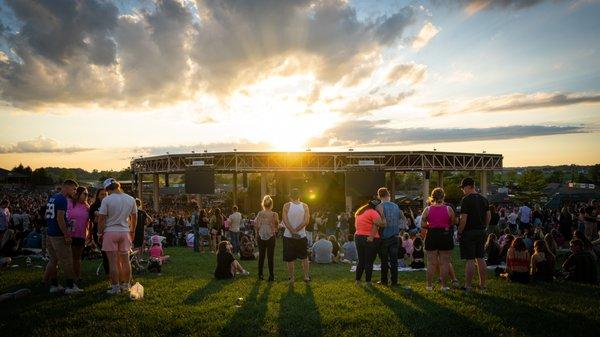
(95, 83)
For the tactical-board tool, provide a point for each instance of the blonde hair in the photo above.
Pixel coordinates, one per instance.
(437, 195)
(267, 202)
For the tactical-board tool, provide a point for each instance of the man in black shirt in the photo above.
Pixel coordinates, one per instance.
(474, 218)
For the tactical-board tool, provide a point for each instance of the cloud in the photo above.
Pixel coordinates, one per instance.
(87, 52)
(428, 32)
(240, 41)
(41, 144)
(409, 72)
(64, 51)
(514, 102)
(361, 132)
(366, 104)
(473, 6)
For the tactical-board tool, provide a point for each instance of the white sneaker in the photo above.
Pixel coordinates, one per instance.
(125, 287)
(56, 289)
(429, 288)
(74, 290)
(444, 289)
(114, 291)
(245, 273)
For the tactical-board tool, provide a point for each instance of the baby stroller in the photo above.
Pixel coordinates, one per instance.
(136, 266)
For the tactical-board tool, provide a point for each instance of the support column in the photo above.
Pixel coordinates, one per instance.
(235, 192)
(166, 180)
(263, 184)
(425, 194)
(440, 179)
(140, 186)
(155, 192)
(484, 184)
(349, 204)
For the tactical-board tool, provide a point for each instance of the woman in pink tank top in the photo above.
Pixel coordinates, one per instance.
(438, 219)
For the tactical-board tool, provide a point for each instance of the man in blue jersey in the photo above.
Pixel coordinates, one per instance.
(388, 249)
(59, 240)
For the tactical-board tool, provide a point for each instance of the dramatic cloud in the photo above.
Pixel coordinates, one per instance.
(379, 133)
(82, 52)
(428, 32)
(40, 145)
(239, 41)
(514, 102)
(64, 51)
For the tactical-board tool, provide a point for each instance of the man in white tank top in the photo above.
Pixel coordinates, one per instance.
(295, 245)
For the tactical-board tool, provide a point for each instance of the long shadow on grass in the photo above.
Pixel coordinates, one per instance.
(201, 293)
(42, 311)
(431, 318)
(534, 320)
(248, 320)
(299, 314)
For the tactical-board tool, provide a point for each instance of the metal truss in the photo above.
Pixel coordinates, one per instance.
(230, 162)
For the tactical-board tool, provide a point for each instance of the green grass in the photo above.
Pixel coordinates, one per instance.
(186, 300)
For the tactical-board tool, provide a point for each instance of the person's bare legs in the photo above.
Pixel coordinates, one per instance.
(432, 266)
(469, 273)
(444, 266)
(305, 269)
(236, 267)
(290, 268)
(125, 272)
(51, 271)
(113, 264)
(77, 251)
(481, 269)
(451, 272)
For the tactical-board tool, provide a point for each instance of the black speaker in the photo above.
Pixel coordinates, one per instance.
(364, 183)
(199, 180)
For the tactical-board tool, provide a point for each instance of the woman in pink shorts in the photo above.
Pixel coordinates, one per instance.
(116, 226)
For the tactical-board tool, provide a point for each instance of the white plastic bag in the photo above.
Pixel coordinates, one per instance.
(136, 292)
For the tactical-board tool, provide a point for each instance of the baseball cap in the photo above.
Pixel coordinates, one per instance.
(467, 182)
(108, 182)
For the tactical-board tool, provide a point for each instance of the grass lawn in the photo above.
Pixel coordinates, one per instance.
(186, 300)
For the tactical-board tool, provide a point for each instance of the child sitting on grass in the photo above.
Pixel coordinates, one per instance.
(227, 265)
(156, 252)
(418, 254)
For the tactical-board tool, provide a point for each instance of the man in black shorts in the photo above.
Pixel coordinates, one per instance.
(474, 217)
(295, 245)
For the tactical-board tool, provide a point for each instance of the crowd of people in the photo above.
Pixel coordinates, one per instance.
(522, 243)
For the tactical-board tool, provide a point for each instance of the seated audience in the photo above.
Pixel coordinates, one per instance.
(418, 254)
(542, 262)
(247, 247)
(581, 265)
(349, 249)
(9, 246)
(336, 248)
(517, 262)
(550, 244)
(506, 246)
(322, 250)
(227, 265)
(492, 251)
(156, 252)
